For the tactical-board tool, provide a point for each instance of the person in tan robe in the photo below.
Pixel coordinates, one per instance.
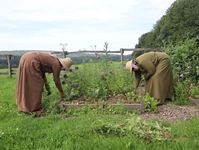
(157, 71)
(31, 78)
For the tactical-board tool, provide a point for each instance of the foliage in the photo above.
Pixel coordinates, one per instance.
(150, 103)
(72, 84)
(97, 80)
(133, 96)
(185, 60)
(181, 21)
(181, 93)
(138, 127)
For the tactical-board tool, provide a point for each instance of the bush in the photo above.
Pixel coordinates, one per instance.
(185, 59)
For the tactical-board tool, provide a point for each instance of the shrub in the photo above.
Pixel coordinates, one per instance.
(185, 59)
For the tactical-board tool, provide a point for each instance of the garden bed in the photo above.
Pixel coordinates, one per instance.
(168, 112)
(113, 101)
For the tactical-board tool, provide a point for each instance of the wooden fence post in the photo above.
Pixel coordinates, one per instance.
(9, 65)
(122, 52)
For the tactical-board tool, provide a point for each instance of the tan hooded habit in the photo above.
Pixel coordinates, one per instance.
(31, 77)
(156, 68)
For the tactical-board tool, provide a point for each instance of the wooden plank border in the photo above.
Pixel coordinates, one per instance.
(136, 106)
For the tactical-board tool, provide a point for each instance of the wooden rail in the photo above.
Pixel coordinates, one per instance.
(121, 51)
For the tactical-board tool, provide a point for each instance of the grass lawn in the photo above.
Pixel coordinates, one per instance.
(75, 130)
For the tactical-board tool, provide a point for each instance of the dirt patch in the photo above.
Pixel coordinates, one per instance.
(172, 113)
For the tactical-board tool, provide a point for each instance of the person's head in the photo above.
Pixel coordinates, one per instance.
(66, 62)
(131, 66)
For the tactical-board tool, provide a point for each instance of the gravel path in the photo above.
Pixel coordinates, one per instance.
(173, 113)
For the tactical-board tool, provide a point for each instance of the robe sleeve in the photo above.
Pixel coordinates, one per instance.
(56, 77)
(137, 79)
(148, 68)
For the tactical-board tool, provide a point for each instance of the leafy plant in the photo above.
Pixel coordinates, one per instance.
(132, 96)
(150, 103)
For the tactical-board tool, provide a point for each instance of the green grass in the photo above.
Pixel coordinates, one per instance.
(74, 130)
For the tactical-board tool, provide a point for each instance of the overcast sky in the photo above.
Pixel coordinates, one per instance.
(82, 24)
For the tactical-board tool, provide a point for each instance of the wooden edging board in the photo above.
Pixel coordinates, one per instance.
(137, 106)
(194, 101)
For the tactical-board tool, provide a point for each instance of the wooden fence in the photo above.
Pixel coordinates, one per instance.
(121, 51)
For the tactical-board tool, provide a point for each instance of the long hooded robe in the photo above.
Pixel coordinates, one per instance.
(31, 78)
(156, 67)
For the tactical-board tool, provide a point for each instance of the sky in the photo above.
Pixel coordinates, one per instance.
(77, 24)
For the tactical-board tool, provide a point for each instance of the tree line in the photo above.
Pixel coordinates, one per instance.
(180, 22)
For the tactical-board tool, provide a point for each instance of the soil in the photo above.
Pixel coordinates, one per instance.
(173, 113)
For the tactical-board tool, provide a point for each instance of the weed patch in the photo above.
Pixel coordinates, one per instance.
(135, 126)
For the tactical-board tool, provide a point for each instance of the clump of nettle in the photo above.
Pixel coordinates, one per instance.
(135, 126)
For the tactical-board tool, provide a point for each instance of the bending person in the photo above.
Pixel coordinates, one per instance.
(157, 71)
(31, 78)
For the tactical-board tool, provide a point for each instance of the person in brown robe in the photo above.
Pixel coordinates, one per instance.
(157, 71)
(31, 78)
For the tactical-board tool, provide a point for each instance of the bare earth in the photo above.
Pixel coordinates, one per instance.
(172, 113)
